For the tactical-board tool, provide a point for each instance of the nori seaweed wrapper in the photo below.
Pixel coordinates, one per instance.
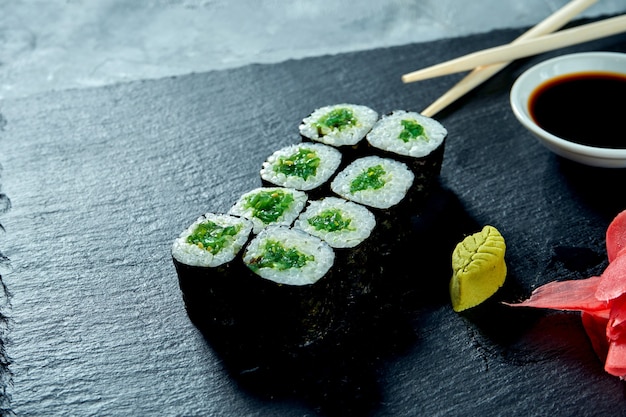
(211, 294)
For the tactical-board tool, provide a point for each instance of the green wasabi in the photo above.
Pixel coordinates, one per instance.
(276, 256)
(303, 164)
(412, 130)
(331, 221)
(212, 237)
(369, 179)
(336, 119)
(268, 206)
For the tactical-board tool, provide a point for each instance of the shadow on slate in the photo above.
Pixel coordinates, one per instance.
(337, 374)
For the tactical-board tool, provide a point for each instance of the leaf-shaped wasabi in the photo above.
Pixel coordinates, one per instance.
(478, 268)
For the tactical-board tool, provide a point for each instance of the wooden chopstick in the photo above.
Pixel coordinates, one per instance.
(510, 52)
(481, 74)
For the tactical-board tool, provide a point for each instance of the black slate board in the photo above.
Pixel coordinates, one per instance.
(101, 181)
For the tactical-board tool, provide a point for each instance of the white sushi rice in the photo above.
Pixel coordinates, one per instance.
(361, 222)
(365, 120)
(241, 207)
(321, 255)
(397, 181)
(330, 158)
(386, 134)
(193, 255)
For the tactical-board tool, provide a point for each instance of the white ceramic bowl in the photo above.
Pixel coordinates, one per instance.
(567, 64)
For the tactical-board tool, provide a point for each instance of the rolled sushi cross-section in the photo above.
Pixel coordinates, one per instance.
(340, 223)
(212, 240)
(350, 229)
(339, 124)
(288, 256)
(270, 205)
(303, 166)
(207, 258)
(407, 133)
(374, 181)
(294, 303)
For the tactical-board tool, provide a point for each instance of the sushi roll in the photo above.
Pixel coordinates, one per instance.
(294, 302)
(341, 125)
(408, 134)
(288, 256)
(303, 166)
(206, 256)
(373, 181)
(350, 229)
(341, 223)
(414, 139)
(212, 240)
(270, 205)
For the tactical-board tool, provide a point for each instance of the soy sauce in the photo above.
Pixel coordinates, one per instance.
(587, 108)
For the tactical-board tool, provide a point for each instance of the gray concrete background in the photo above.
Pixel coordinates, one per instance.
(56, 45)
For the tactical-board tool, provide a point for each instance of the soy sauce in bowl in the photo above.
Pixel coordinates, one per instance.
(574, 105)
(585, 107)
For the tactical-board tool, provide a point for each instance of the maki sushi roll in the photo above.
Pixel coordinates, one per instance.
(414, 139)
(341, 125)
(341, 223)
(288, 256)
(407, 134)
(206, 258)
(350, 229)
(211, 241)
(270, 205)
(293, 304)
(303, 166)
(376, 182)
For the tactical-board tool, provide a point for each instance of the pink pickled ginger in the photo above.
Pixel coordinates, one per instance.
(601, 301)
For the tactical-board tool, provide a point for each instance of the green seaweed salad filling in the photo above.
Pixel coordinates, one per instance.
(212, 237)
(336, 119)
(372, 178)
(411, 130)
(330, 220)
(269, 205)
(303, 164)
(276, 256)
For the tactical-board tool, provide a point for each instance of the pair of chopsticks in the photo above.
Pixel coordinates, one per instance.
(538, 39)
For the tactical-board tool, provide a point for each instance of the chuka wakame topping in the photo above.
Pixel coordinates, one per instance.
(412, 130)
(330, 220)
(303, 164)
(336, 119)
(269, 205)
(369, 179)
(212, 237)
(276, 256)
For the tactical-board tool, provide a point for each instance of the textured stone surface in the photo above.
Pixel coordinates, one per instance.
(73, 44)
(102, 180)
